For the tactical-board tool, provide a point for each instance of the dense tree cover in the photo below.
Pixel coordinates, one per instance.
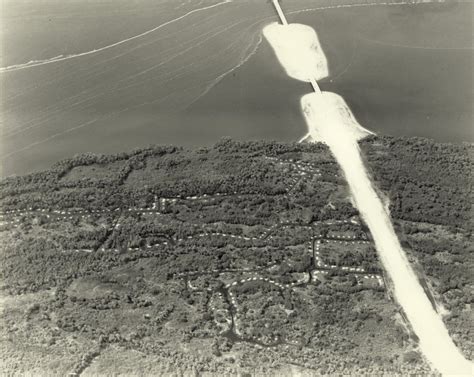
(226, 168)
(155, 249)
(426, 181)
(429, 186)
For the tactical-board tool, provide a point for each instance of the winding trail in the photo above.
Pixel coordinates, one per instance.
(330, 120)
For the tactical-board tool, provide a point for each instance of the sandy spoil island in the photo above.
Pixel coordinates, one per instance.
(329, 117)
(298, 49)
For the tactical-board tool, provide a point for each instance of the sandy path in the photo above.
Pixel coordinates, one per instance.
(328, 121)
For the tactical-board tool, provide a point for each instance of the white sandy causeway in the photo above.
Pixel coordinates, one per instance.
(330, 120)
(298, 49)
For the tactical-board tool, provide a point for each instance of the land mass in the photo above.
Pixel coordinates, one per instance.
(246, 257)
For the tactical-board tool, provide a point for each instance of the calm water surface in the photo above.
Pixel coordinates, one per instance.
(403, 69)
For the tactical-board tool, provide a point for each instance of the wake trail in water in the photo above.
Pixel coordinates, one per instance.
(213, 82)
(397, 45)
(218, 79)
(36, 63)
(101, 66)
(360, 5)
(90, 122)
(196, 42)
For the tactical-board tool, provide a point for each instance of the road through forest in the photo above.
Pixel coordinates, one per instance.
(330, 120)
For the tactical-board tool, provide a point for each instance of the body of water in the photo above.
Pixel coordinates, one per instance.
(206, 73)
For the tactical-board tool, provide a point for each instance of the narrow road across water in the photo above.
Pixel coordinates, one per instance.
(330, 120)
